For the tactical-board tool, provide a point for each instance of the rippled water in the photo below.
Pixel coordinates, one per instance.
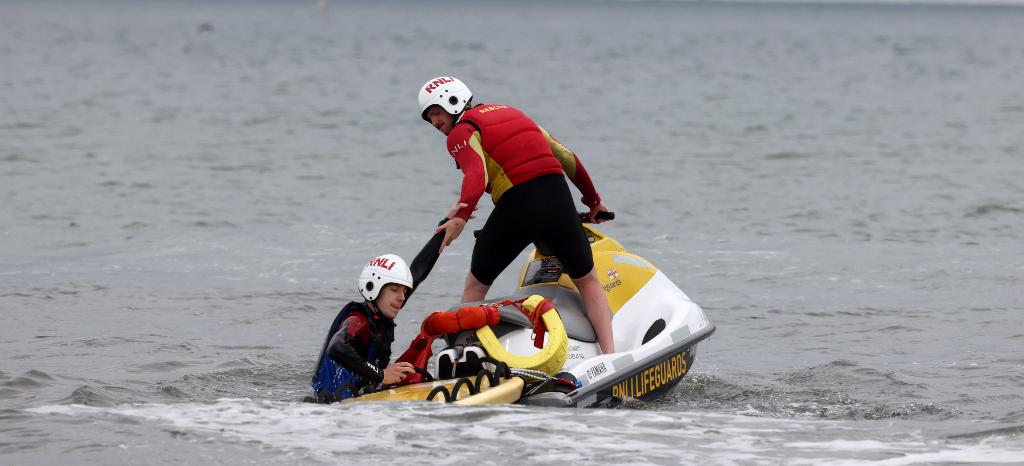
(189, 189)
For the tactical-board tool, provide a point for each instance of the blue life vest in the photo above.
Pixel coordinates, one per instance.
(332, 382)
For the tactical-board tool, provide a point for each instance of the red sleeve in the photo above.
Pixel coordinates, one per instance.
(355, 327)
(582, 181)
(474, 178)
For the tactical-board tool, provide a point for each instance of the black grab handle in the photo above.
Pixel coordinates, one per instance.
(603, 215)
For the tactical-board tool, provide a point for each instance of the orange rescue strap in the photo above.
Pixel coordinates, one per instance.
(474, 317)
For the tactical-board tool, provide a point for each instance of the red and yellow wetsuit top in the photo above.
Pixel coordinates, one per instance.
(498, 147)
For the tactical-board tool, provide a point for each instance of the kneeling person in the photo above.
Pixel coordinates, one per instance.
(357, 350)
(361, 344)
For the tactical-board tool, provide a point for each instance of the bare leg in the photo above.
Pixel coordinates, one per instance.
(598, 311)
(475, 290)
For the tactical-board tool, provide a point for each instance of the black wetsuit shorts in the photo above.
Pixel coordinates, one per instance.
(538, 210)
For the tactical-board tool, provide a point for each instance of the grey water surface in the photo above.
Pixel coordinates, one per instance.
(189, 190)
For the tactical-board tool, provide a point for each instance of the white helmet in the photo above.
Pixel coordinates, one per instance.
(381, 271)
(450, 93)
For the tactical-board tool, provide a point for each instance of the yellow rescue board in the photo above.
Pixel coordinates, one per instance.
(507, 391)
(414, 392)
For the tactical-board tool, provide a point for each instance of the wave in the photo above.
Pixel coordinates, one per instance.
(510, 434)
(15, 387)
(993, 209)
(241, 378)
(839, 390)
(1009, 431)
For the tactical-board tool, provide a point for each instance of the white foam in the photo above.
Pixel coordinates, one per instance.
(392, 432)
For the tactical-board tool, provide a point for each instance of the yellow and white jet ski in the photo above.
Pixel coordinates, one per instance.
(656, 328)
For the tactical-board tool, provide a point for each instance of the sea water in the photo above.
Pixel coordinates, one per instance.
(189, 190)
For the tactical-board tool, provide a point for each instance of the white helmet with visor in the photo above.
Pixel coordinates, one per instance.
(448, 92)
(381, 271)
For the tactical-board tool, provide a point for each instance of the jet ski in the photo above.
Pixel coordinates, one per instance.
(540, 349)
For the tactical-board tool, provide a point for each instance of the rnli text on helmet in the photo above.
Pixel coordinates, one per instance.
(437, 83)
(381, 262)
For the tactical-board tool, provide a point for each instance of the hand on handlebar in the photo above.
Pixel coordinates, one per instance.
(599, 207)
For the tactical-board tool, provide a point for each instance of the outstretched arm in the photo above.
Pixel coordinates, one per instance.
(425, 260)
(464, 144)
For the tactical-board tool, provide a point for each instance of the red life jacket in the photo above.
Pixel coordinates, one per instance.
(513, 141)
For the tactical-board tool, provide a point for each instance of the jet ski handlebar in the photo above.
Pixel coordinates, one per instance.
(604, 215)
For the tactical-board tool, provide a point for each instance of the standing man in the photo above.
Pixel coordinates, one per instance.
(502, 151)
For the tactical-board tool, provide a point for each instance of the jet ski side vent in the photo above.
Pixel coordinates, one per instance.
(656, 328)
